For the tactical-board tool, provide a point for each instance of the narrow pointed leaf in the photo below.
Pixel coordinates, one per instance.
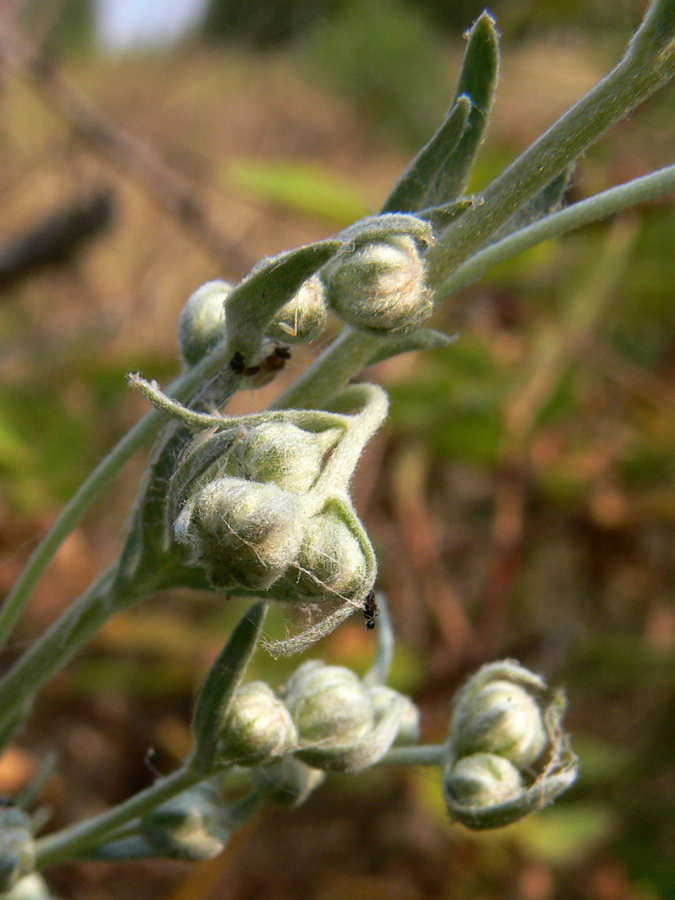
(477, 80)
(252, 304)
(411, 191)
(221, 683)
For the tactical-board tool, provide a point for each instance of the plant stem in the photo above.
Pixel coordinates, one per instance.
(602, 205)
(420, 755)
(349, 353)
(102, 476)
(60, 643)
(648, 63)
(79, 838)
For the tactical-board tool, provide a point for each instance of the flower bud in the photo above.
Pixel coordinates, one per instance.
(17, 848)
(258, 727)
(409, 725)
(202, 321)
(328, 704)
(304, 317)
(507, 752)
(288, 782)
(190, 826)
(281, 453)
(482, 780)
(331, 562)
(336, 719)
(380, 286)
(244, 534)
(501, 718)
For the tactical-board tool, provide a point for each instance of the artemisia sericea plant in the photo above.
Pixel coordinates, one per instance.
(259, 505)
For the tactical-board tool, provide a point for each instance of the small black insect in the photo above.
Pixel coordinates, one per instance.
(277, 359)
(370, 610)
(237, 363)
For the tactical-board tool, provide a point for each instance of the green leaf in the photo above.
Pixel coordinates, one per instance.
(477, 81)
(270, 284)
(302, 189)
(415, 188)
(221, 683)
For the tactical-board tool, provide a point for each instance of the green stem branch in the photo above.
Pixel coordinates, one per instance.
(79, 838)
(648, 64)
(622, 197)
(420, 755)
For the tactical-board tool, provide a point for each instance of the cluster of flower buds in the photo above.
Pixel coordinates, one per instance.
(325, 718)
(507, 754)
(376, 282)
(262, 503)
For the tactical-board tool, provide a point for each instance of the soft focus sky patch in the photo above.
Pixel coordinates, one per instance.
(126, 24)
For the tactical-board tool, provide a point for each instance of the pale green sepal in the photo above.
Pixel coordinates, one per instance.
(442, 216)
(477, 80)
(217, 692)
(387, 225)
(414, 186)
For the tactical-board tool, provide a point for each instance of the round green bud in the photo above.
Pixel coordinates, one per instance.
(244, 534)
(482, 780)
(190, 826)
(258, 727)
(304, 317)
(330, 563)
(331, 710)
(501, 718)
(281, 453)
(288, 782)
(202, 322)
(409, 722)
(380, 287)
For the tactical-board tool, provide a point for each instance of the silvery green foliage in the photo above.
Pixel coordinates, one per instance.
(507, 752)
(261, 504)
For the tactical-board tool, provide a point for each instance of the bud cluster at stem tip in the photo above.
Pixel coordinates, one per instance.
(262, 503)
(507, 754)
(325, 718)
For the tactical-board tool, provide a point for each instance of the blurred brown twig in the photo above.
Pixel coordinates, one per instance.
(164, 185)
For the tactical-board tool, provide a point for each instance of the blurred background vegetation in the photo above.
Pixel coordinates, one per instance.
(522, 500)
